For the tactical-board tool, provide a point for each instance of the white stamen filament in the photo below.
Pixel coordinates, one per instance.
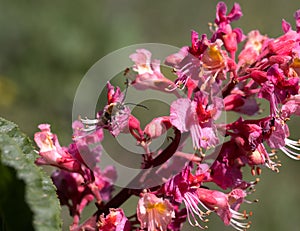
(184, 84)
(90, 125)
(89, 121)
(240, 226)
(238, 215)
(191, 203)
(204, 85)
(171, 88)
(272, 165)
(90, 128)
(293, 145)
(195, 131)
(290, 153)
(185, 69)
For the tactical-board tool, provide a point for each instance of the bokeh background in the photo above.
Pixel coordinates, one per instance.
(46, 47)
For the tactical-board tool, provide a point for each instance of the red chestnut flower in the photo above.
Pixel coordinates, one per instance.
(114, 221)
(216, 74)
(226, 206)
(149, 75)
(51, 153)
(154, 213)
(183, 188)
(230, 37)
(197, 117)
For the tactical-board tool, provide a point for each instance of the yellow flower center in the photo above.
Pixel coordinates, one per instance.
(214, 53)
(159, 207)
(257, 46)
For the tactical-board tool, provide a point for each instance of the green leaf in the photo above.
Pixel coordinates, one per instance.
(28, 199)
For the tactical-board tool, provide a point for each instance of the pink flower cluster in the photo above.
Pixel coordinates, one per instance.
(211, 78)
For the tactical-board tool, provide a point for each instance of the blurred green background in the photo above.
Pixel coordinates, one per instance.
(46, 47)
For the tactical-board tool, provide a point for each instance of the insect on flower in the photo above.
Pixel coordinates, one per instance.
(115, 115)
(111, 111)
(267, 68)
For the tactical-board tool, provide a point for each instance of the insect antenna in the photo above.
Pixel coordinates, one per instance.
(125, 93)
(138, 105)
(126, 89)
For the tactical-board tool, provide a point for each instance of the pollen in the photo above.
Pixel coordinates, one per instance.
(296, 63)
(215, 54)
(258, 170)
(253, 171)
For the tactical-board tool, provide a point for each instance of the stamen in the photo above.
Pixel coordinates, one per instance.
(253, 171)
(171, 88)
(272, 165)
(184, 84)
(240, 226)
(204, 85)
(295, 145)
(191, 203)
(186, 67)
(87, 121)
(258, 170)
(290, 153)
